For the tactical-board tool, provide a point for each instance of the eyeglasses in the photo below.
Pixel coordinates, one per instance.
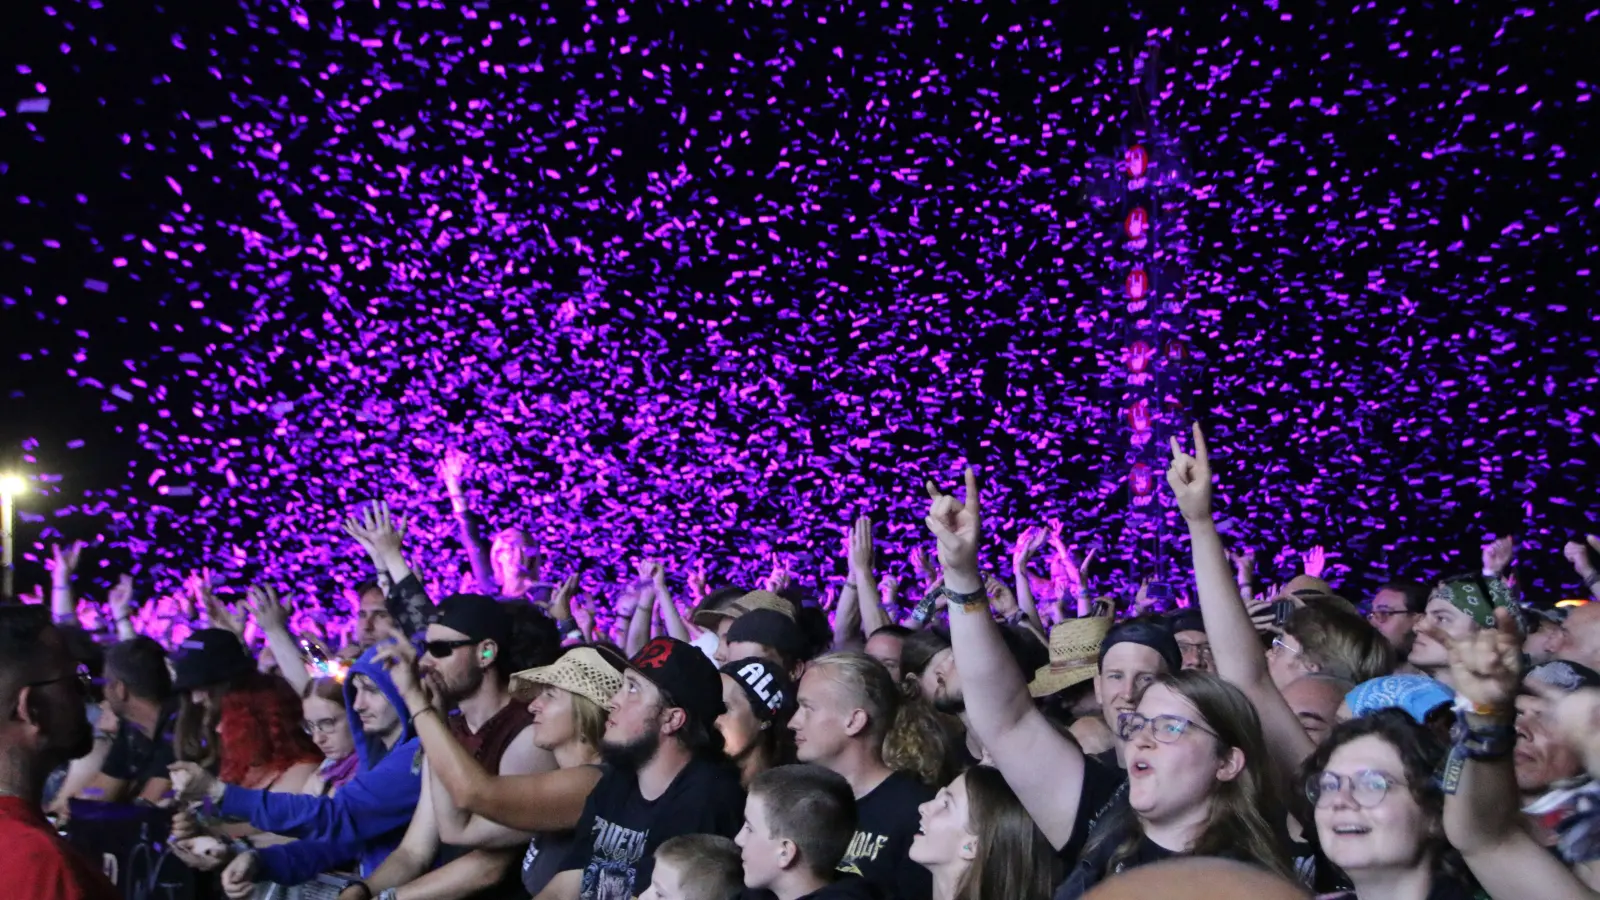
(442, 649)
(319, 726)
(1203, 651)
(86, 680)
(1367, 787)
(1279, 645)
(1165, 729)
(1382, 616)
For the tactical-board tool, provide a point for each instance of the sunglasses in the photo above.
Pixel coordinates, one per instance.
(443, 649)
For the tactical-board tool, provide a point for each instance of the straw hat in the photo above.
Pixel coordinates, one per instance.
(1074, 655)
(707, 618)
(581, 670)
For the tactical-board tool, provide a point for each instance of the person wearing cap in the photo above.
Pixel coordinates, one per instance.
(848, 705)
(1395, 610)
(203, 667)
(720, 619)
(767, 634)
(755, 730)
(1189, 630)
(1550, 771)
(363, 821)
(470, 649)
(1460, 606)
(668, 775)
(567, 702)
(1546, 634)
(711, 620)
(138, 692)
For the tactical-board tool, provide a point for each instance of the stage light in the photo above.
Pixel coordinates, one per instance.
(12, 485)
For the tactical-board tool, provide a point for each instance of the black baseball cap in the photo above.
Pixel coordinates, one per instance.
(478, 617)
(680, 669)
(1150, 633)
(772, 629)
(210, 656)
(765, 683)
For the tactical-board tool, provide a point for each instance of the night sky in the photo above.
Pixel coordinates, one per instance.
(709, 280)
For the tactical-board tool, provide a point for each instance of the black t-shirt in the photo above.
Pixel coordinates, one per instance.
(886, 821)
(1087, 874)
(848, 887)
(1103, 786)
(136, 757)
(615, 842)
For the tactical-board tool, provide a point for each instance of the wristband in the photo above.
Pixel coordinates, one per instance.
(1592, 578)
(389, 894)
(923, 611)
(1465, 707)
(974, 602)
(413, 720)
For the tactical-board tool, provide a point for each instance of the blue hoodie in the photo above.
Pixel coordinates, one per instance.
(365, 819)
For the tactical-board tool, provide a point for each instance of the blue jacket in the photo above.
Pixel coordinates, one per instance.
(367, 817)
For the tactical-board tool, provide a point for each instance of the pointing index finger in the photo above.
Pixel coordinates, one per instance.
(1200, 450)
(972, 490)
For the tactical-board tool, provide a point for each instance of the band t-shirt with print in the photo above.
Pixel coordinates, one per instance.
(886, 821)
(614, 845)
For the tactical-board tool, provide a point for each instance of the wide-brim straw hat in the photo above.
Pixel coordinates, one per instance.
(581, 670)
(708, 618)
(1074, 655)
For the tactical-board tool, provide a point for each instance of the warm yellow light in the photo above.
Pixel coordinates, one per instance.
(12, 485)
(1571, 602)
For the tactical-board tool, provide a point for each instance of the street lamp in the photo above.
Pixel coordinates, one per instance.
(10, 487)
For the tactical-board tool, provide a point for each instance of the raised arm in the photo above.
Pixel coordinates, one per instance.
(1045, 769)
(670, 617)
(644, 611)
(273, 620)
(63, 562)
(1482, 817)
(868, 599)
(120, 599)
(407, 600)
(1234, 644)
(1578, 555)
(451, 470)
(1028, 543)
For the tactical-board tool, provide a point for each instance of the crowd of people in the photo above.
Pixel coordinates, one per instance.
(1021, 741)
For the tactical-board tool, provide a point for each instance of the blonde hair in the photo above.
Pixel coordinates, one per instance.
(909, 734)
(588, 719)
(1340, 644)
(710, 862)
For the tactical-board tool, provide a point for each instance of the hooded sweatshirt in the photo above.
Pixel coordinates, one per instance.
(367, 817)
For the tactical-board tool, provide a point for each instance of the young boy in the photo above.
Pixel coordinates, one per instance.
(798, 822)
(695, 867)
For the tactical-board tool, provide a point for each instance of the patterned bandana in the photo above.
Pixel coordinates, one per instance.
(1476, 595)
(1418, 695)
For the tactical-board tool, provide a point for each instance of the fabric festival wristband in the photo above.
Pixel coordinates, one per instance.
(924, 608)
(973, 602)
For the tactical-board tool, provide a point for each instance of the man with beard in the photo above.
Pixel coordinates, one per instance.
(667, 775)
(949, 699)
(1396, 609)
(43, 726)
(847, 707)
(471, 648)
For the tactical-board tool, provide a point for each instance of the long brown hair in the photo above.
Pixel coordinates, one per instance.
(1246, 818)
(1014, 859)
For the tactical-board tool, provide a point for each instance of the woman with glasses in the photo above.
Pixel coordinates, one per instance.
(322, 704)
(1198, 784)
(1378, 811)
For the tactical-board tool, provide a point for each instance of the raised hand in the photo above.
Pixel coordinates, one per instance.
(921, 564)
(1578, 555)
(861, 547)
(561, 598)
(1244, 564)
(698, 585)
(384, 532)
(269, 612)
(1028, 543)
(1316, 561)
(1487, 666)
(584, 616)
(451, 469)
(63, 561)
(959, 527)
(1497, 554)
(121, 597)
(1190, 478)
(218, 614)
(888, 589)
(1141, 598)
(1000, 596)
(779, 578)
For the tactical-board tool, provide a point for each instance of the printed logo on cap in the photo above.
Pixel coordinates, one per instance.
(655, 654)
(759, 679)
